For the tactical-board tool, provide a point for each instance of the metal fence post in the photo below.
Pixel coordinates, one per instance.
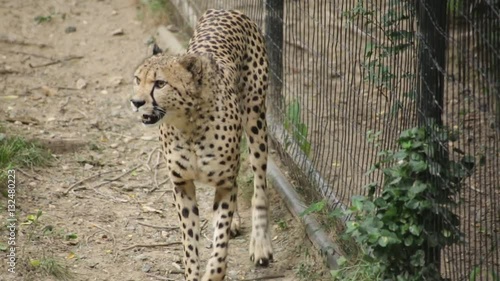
(431, 60)
(273, 35)
(432, 49)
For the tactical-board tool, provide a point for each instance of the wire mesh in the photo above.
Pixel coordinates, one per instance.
(349, 83)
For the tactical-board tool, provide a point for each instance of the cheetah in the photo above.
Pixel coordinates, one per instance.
(203, 100)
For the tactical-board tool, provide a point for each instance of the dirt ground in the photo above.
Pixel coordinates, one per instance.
(65, 80)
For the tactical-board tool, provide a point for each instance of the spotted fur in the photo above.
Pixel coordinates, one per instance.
(203, 101)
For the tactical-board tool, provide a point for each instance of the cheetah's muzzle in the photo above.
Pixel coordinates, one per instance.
(150, 119)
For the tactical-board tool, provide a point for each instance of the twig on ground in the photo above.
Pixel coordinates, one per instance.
(152, 245)
(30, 54)
(149, 158)
(90, 236)
(56, 61)
(112, 236)
(159, 226)
(68, 88)
(37, 177)
(126, 173)
(168, 190)
(85, 179)
(267, 277)
(13, 40)
(8, 71)
(122, 135)
(106, 181)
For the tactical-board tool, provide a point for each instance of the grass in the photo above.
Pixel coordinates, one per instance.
(17, 152)
(307, 269)
(51, 266)
(357, 269)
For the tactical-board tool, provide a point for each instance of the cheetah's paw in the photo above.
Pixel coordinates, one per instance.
(261, 249)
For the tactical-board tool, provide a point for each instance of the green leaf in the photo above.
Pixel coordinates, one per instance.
(387, 237)
(415, 230)
(474, 273)
(369, 206)
(418, 187)
(380, 202)
(314, 208)
(335, 273)
(383, 241)
(357, 202)
(3, 247)
(341, 260)
(418, 166)
(293, 112)
(70, 236)
(35, 263)
(369, 49)
(418, 259)
(408, 241)
(412, 204)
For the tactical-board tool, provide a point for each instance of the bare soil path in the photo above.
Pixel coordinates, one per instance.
(65, 80)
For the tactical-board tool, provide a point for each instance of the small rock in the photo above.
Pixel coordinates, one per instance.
(32, 184)
(81, 84)
(148, 138)
(114, 13)
(114, 145)
(115, 80)
(178, 267)
(48, 91)
(172, 28)
(146, 267)
(87, 166)
(104, 92)
(117, 32)
(128, 188)
(70, 29)
(141, 257)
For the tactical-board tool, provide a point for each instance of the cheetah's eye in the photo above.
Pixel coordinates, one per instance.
(160, 84)
(137, 81)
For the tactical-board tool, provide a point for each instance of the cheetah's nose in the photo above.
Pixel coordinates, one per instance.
(137, 103)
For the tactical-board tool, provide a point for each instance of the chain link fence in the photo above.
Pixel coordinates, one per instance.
(347, 77)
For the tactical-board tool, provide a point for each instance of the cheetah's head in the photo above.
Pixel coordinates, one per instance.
(168, 88)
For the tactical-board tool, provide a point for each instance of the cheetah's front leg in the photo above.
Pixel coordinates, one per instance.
(224, 208)
(187, 210)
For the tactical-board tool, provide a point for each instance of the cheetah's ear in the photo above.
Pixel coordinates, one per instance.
(192, 63)
(156, 50)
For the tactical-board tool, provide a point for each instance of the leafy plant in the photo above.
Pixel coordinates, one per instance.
(394, 40)
(52, 266)
(43, 19)
(400, 222)
(283, 225)
(361, 269)
(296, 127)
(478, 274)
